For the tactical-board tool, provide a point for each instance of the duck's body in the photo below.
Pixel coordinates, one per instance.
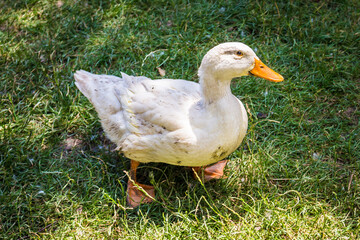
(176, 121)
(165, 120)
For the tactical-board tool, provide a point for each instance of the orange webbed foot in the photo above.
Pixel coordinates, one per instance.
(215, 171)
(136, 195)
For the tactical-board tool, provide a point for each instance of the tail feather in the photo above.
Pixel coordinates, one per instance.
(99, 89)
(84, 82)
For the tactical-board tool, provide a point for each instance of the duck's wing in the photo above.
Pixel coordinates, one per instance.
(157, 103)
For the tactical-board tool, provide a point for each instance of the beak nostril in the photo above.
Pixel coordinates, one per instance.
(261, 66)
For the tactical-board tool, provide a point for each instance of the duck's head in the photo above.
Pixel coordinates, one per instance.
(233, 59)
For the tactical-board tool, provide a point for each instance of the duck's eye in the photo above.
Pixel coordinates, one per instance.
(239, 53)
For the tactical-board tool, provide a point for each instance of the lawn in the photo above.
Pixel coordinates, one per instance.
(295, 176)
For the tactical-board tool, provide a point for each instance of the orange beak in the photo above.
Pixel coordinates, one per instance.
(263, 71)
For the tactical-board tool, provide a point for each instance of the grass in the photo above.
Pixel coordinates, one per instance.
(296, 175)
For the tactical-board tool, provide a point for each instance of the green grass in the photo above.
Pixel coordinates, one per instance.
(296, 175)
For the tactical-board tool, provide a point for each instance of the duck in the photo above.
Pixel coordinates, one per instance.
(176, 121)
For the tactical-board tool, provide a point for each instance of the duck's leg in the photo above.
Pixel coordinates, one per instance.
(135, 196)
(215, 171)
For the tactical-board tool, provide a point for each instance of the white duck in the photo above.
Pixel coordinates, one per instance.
(176, 121)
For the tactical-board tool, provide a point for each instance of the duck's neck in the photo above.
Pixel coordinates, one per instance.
(214, 88)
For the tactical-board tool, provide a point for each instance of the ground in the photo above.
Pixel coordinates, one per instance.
(296, 175)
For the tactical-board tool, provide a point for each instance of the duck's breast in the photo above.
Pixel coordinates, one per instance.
(220, 129)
